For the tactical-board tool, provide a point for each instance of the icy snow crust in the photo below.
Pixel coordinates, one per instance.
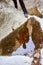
(18, 60)
(15, 60)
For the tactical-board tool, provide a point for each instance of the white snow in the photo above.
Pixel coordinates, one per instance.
(18, 60)
(15, 60)
(28, 51)
(41, 53)
(41, 61)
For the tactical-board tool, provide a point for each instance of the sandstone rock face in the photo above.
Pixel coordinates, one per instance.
(28, 3)
(34, 11)
(9, 17)
(33, 4)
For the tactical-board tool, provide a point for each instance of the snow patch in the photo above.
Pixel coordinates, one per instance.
(15, 60)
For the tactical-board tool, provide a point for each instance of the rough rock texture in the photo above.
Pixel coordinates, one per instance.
(8, 43)
(34, 11)
(11, 18)
(32, 4)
